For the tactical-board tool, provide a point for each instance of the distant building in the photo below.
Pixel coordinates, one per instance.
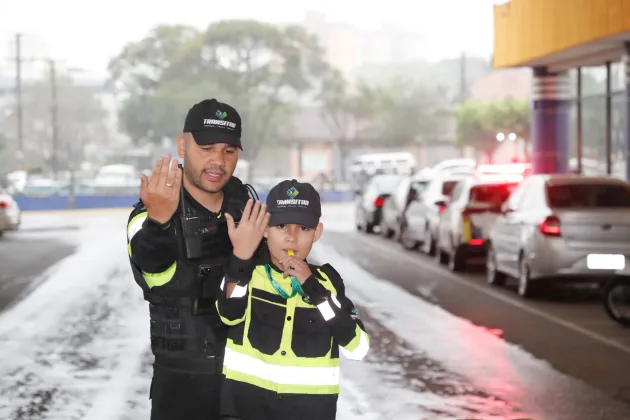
(348, 48)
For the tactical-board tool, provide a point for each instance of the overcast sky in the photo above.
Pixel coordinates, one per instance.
(85, 34)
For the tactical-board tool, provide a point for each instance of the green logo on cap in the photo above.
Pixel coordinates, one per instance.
(292, 192)
(221, 115)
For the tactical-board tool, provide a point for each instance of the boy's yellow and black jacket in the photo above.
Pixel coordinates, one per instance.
(283, 354)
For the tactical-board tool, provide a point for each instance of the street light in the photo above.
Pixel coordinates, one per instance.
(500, 137)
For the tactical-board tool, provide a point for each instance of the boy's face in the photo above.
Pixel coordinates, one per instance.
(297, 238)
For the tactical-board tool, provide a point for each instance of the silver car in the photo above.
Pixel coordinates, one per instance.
(560, 227)
(10, 215)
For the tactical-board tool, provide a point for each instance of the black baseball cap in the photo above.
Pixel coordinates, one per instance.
(294, 202)
(211, 122)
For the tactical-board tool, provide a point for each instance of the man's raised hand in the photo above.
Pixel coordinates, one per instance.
(160, 194)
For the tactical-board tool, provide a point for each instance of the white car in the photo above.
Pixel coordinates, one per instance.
(10, 214)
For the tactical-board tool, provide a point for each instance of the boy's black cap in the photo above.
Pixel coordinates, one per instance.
(211, 122)
(292, 202)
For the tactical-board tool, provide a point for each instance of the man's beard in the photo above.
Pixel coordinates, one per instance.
(195, 179)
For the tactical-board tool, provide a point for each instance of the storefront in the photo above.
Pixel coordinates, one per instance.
(578, 51)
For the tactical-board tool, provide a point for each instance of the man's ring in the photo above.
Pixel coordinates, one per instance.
(169, 185)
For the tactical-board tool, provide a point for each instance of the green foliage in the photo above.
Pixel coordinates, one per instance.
(479, 122)
(446, 73)
(394, 114)
(259, 68)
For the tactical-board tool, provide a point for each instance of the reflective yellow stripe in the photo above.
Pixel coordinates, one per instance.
(160, 279)
(135, 224)
(281, 378)
(235, 295)
(358, 347)
(466, 230)
(280, 388)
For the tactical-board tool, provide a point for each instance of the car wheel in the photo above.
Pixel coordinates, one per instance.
(493, 277)
(405, 240)
(457, 260)
(526, 288)
(428, 246)
(385, 231)
(440, 256)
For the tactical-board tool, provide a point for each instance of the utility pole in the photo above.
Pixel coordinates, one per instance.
(54, 111)
(18, 97)
(463, 89)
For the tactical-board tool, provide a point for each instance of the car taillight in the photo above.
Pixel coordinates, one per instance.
(550, 226)
(441, 208)
(476, 242)
(380, 200)
(4, 205)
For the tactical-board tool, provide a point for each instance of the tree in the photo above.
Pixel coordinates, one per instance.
(137, 73)
(81, 121)
(446, 73)
(479, 122)
(342, 110)
(393, 114)
(511, 116)
(259, 68)
(404, 112)
(472, 127)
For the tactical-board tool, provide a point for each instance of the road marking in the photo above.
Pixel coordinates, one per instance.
(485, 289)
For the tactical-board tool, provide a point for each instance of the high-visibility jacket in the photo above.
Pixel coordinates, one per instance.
(179, 266)
(282, 355)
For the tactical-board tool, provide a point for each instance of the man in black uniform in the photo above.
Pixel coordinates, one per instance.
(178, 244)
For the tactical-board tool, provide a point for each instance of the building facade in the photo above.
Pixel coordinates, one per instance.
(578, 52)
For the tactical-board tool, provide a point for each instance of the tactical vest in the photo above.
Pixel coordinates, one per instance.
(186, 331)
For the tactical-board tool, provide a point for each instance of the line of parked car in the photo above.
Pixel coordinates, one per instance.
(10, 214)
(537, 229)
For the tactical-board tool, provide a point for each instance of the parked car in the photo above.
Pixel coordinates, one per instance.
(471, 212)
(369, 202)
(10, 214)
(396, 205)
(420, 221)
(560, 227)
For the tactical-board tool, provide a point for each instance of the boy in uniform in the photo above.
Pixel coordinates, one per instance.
(288, 319)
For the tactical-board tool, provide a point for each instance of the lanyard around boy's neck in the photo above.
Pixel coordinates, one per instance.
(296, 287)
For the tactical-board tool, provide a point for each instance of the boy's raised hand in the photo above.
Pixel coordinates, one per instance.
(250, 230)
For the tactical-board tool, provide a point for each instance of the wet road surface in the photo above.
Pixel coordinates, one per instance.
(569, 331)
(24, 255)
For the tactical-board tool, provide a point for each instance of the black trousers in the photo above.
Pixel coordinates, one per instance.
(178, 396)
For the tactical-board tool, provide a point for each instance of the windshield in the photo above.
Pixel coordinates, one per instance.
(448, 187)
(419, 186)
(592, 195)
(386, 184)
(494, 194)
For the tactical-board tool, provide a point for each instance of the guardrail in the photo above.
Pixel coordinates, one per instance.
(57, 202)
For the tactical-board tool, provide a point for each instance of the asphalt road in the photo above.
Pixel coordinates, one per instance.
(24, 255)
(569, 330)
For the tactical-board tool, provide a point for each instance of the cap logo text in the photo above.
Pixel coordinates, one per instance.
(292, 202)
(209, 122)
